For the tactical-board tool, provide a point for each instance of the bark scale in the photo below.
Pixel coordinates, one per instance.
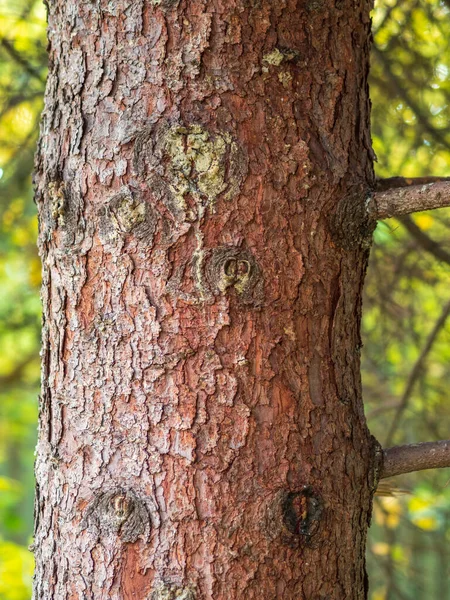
(201, 183)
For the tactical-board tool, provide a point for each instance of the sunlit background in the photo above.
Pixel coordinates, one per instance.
(406, 333)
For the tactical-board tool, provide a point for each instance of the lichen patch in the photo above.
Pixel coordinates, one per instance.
(173, 592)
(125, 214)
(285, 78)
(165, 3)
(277, 56)
(274, 58)
(58, 204)
(189, 167)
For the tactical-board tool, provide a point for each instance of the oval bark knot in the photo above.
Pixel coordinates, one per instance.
(166, 591)
(119, 512)
(229, 267)
(293, 516)
(125, 214)
(188, 167)
(302, 512)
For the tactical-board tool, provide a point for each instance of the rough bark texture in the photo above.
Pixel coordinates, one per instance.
(201, 182)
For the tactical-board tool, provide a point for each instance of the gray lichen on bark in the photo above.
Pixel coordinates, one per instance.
(166, 591)
(125, 214)
(62, 211)
(187, 167)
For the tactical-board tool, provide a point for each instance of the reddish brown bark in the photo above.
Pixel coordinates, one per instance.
(201, 181)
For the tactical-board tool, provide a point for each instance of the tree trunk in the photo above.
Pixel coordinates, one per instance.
(201, 182)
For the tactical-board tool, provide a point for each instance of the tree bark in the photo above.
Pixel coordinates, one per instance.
(201, 182)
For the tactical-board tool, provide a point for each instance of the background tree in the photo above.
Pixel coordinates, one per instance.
(406, 295)
(22, 77)
(400, 318)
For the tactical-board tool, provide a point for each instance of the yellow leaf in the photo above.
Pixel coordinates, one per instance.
(379, 594)
(417, 504)
(424, 221)
(378, 514)
(7, 484)
(381, 549)
(20, 236)
(391, 511)
(426, 523)
(387, 516)
(35, 272)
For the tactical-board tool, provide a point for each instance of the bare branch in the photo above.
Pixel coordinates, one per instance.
(21, 60)
(415, 457)
(15, 375)
(440, 135)
(397, 201)
(426, 242)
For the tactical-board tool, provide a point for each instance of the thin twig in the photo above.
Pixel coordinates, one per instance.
(415, 373)
(21, 60)
(438, 134)
(425, 241)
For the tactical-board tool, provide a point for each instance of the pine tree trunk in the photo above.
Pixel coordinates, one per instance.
(201, 183)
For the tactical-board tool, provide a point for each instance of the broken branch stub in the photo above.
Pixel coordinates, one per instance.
(119, 512)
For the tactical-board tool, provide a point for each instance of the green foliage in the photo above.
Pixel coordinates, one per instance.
(22, 77)
(16, 570)
(410, 87)
(406, 289)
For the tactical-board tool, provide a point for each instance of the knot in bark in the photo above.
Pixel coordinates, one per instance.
(125, 214)
(229, 267)
(119, 512)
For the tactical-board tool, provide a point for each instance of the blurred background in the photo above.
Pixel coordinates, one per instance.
(406, 327)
